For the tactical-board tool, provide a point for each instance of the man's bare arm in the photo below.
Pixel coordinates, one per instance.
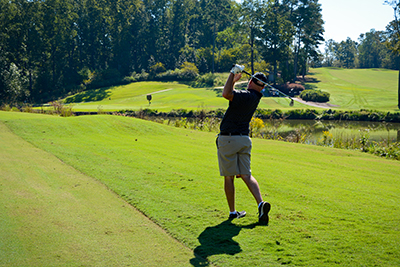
(227, 93)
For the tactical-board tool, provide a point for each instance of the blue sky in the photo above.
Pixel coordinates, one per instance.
(350, 18)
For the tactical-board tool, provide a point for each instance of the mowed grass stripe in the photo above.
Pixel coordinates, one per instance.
(358, 88)
(53, 215)
(329, 207)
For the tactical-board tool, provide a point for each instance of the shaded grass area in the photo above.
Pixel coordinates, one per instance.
(53, 215)
(329, 207)
(90, 96)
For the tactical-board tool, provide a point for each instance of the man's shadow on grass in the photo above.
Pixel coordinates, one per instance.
(218, 240)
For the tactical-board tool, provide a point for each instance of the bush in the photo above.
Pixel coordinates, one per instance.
(189, 71)
(61, 110)
(315, 96)
(305, 114)
(128, 79)
(143, 76)
(169, 75)
(295, 114)
(206, 80)
(359, 115)
(157, 68)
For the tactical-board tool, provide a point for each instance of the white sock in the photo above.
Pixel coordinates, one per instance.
(233, 212)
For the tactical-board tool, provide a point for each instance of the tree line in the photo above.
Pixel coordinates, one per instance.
(51, 48)
(370, 51)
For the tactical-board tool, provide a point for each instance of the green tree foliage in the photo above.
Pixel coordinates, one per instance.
(52, 48)
(218, 15)
(307, 19)
(251, 24)
(276, 34)
(372, 50)
(346, 53)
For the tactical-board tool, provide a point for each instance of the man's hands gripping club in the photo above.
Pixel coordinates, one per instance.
(236, 74)
(236, 69)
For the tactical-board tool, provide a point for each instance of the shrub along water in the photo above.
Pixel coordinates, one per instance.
(384, 149)
(265, 114)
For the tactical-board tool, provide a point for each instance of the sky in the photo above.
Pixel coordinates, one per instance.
(350, 18)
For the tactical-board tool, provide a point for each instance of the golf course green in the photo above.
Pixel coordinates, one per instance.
(349, 89)
(358, 88)
(116, 191)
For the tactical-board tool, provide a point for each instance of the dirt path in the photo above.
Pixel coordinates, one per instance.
(315, 104)
(161, 91)
(309, 103)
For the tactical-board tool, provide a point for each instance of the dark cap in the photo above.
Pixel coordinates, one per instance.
(260, 76)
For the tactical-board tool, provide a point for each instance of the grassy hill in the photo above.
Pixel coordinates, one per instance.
(358, 88)
(329, 207)
(165, 97)
(349, 89)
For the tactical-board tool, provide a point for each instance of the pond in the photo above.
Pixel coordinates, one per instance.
(311, 130)
(374, 131)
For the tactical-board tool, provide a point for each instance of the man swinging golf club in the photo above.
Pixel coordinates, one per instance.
(234, 144)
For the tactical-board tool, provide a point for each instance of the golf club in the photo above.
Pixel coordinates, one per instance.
(273, 88)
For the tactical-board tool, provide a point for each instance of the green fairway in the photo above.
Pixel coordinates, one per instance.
(53, 215)
(165, 97)
(358, 88)
(349, 89)
(329, 207)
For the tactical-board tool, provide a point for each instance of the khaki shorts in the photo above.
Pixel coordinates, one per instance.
(234, 154)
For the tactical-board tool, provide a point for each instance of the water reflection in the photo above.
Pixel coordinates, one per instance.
(299, 131)
(376, 131)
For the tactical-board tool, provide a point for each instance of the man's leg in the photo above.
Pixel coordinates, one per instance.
(263, 207)
(253, 186)
(229, 187)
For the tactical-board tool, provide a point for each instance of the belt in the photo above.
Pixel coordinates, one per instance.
(230, 134)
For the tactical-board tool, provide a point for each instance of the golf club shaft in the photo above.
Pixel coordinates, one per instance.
(267, 84)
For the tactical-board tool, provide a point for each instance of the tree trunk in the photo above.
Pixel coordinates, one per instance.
(398, 92)
(213, 62)
(296, 58)
(252, 50)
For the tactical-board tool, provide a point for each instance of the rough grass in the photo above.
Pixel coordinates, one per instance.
(329, 207)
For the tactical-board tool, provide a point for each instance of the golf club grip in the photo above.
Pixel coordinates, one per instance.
(247, 73)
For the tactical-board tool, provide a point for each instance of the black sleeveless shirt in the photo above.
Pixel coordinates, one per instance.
(240, 111)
